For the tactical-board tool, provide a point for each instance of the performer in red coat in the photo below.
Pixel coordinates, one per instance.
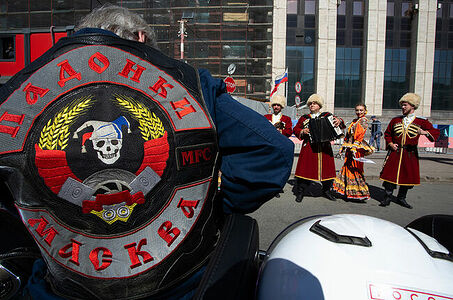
(401, 166)
(280, 121)
(316, 161)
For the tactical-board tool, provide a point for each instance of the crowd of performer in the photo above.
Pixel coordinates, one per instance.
(316, 130)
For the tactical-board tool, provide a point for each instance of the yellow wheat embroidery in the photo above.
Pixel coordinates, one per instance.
(55, 135)
(150, 125)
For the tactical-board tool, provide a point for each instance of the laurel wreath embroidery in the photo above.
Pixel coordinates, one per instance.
(150, 125)
(55, 135)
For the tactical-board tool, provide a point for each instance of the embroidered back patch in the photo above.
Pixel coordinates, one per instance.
(121, 156)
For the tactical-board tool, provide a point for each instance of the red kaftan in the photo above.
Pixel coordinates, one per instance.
(401, 167)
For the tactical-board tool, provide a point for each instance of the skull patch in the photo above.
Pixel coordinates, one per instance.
(107, 138)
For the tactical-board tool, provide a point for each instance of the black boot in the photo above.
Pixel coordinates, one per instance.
(387, 198)
(389, 187)
(403, 202)
(401, 197)
(299, 197)
(299, 189)
(326, 187)
(328, 194)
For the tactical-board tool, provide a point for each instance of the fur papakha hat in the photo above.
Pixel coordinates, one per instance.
(316, 99)
(411, 98)
(278, 99)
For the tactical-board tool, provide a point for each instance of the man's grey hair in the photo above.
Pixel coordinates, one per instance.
(119, 20)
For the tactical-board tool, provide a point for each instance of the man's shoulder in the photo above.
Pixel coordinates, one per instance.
(397, 118)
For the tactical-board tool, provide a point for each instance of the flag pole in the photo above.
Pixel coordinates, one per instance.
(286, 86)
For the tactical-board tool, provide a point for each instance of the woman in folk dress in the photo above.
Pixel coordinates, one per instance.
(350, 182)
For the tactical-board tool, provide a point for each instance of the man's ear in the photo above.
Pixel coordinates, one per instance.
(141, 37)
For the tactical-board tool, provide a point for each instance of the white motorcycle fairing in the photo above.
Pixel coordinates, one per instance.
(355, 257)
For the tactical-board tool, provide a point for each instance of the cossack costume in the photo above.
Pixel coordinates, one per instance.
(280, 120)
(316, 161)
(401, 166)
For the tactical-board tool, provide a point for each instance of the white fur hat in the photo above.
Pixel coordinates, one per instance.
(278, 99)
(411, 98)
(316, 99)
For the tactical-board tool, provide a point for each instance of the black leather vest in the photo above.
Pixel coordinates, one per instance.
(112, 159)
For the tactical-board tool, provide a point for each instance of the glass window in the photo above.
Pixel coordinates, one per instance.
(40, 19)
(7, 48)
(300, 62)
(357, 37)
(358, 8)
(309, 52)
(17, 6)
(39, 5)
(355, 53)
(341, 37)
(396, 76)
(59, 4)
(341, 22)
(357, 23)
(310, 21)
(63, 18)
(309, 37)
(404, 9)
(292, 7)
(439, 12)
(442, 95)
(347, 76)
(310, 7)
(390, 9)
(17, 20)
(291, 21)
(451, 10)
(341, 10)
(405, 39)
(406, 24)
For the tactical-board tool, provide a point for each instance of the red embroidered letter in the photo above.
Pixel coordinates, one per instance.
(135, 252)
(49, 233)
(106, 258)
(11, 118)
(187, 156)
(167, 233)
(66, 67)
(128, 67)
(101, 58)
(161, 84)
(74, 253)
(36, 91)
(187, 206)
(185, 109)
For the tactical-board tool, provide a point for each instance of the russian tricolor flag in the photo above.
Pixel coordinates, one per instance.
(279, 80)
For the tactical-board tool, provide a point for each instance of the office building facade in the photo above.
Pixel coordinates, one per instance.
(348, 51)
(372, 51)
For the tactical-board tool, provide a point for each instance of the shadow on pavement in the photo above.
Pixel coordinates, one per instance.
(440, 160)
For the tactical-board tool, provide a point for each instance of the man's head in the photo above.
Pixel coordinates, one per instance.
(315, 103)
(278, 103)
(409, 103)
(373, 118)
(122, 22)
